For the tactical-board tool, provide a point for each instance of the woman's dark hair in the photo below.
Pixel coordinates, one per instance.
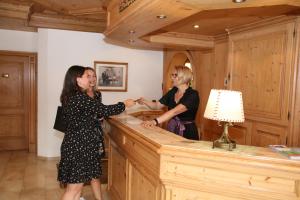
(70, 83)
(90, 68)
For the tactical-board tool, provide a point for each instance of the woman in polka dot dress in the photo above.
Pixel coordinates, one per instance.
(80, 147)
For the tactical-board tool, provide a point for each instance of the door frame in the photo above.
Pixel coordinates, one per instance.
(32, 115)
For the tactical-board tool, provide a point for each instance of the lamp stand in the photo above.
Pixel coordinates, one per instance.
(224, 141)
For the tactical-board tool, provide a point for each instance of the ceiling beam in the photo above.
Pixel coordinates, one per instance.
(87, 11)
(51, 6)
(185, 40)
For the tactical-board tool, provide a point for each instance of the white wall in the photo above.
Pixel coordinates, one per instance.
(18, 40)
(58, 49)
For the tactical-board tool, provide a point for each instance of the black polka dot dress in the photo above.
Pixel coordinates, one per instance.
(80, 147)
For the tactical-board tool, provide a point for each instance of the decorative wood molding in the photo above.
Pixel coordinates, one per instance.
(16, 24)
(30, 14)
(262, 24)
(221, 38)
(87, 11)
(225, 4)
(64, 22)
(13, 10)
(125, 4)
(51, 6)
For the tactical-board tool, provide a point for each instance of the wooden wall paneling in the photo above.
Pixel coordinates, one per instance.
(294, 131)
(220, 64)
(204, 82)
(265, 134)
(241, 133)
(261, 69)
(261, 66)
(147, 190)
(132, 167)
(210, 129)
(32, 112)
(117, 173)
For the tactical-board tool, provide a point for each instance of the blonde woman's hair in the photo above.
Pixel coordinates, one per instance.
(184, 74)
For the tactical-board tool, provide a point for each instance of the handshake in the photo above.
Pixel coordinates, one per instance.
(130, 102)
(150, 104)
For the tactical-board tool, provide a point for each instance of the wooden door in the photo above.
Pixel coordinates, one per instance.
(17, 102)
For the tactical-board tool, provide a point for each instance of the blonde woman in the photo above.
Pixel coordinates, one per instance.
(182, 102)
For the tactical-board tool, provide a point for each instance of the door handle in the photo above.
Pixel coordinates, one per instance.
(5, 76)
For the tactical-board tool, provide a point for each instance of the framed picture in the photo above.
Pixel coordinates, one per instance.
(111, 76)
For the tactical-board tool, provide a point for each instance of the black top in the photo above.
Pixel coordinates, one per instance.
(190, 100)
(80, 147)
(98, 96)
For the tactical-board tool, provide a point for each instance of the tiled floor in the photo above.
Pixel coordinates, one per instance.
(25, 177)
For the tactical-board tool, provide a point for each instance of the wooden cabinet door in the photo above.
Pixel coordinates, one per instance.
(261, 68)
(264, 134)
(17, 109)
(117, 173)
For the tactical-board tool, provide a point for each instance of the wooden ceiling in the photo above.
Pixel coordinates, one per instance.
(28, 15)
(136, 24)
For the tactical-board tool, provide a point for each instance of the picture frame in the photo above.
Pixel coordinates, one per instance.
(111, 76)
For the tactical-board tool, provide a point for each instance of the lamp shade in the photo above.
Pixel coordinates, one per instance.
(225, 105)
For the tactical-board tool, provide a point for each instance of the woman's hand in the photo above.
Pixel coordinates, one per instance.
(141, 101)
(149, 123)
(129, 103)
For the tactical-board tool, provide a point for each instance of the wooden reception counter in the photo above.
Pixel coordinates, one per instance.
(154, 164)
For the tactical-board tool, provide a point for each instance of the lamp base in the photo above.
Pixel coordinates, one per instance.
(224, 141)
(224, 145)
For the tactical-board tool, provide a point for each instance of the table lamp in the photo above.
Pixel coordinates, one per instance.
(226, 107)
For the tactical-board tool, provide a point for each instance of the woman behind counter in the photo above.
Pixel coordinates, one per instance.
(80, 147)
(182, 102)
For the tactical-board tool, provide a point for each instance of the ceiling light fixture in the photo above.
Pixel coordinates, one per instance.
(161, 16)
(238, 1)
(196, 26)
